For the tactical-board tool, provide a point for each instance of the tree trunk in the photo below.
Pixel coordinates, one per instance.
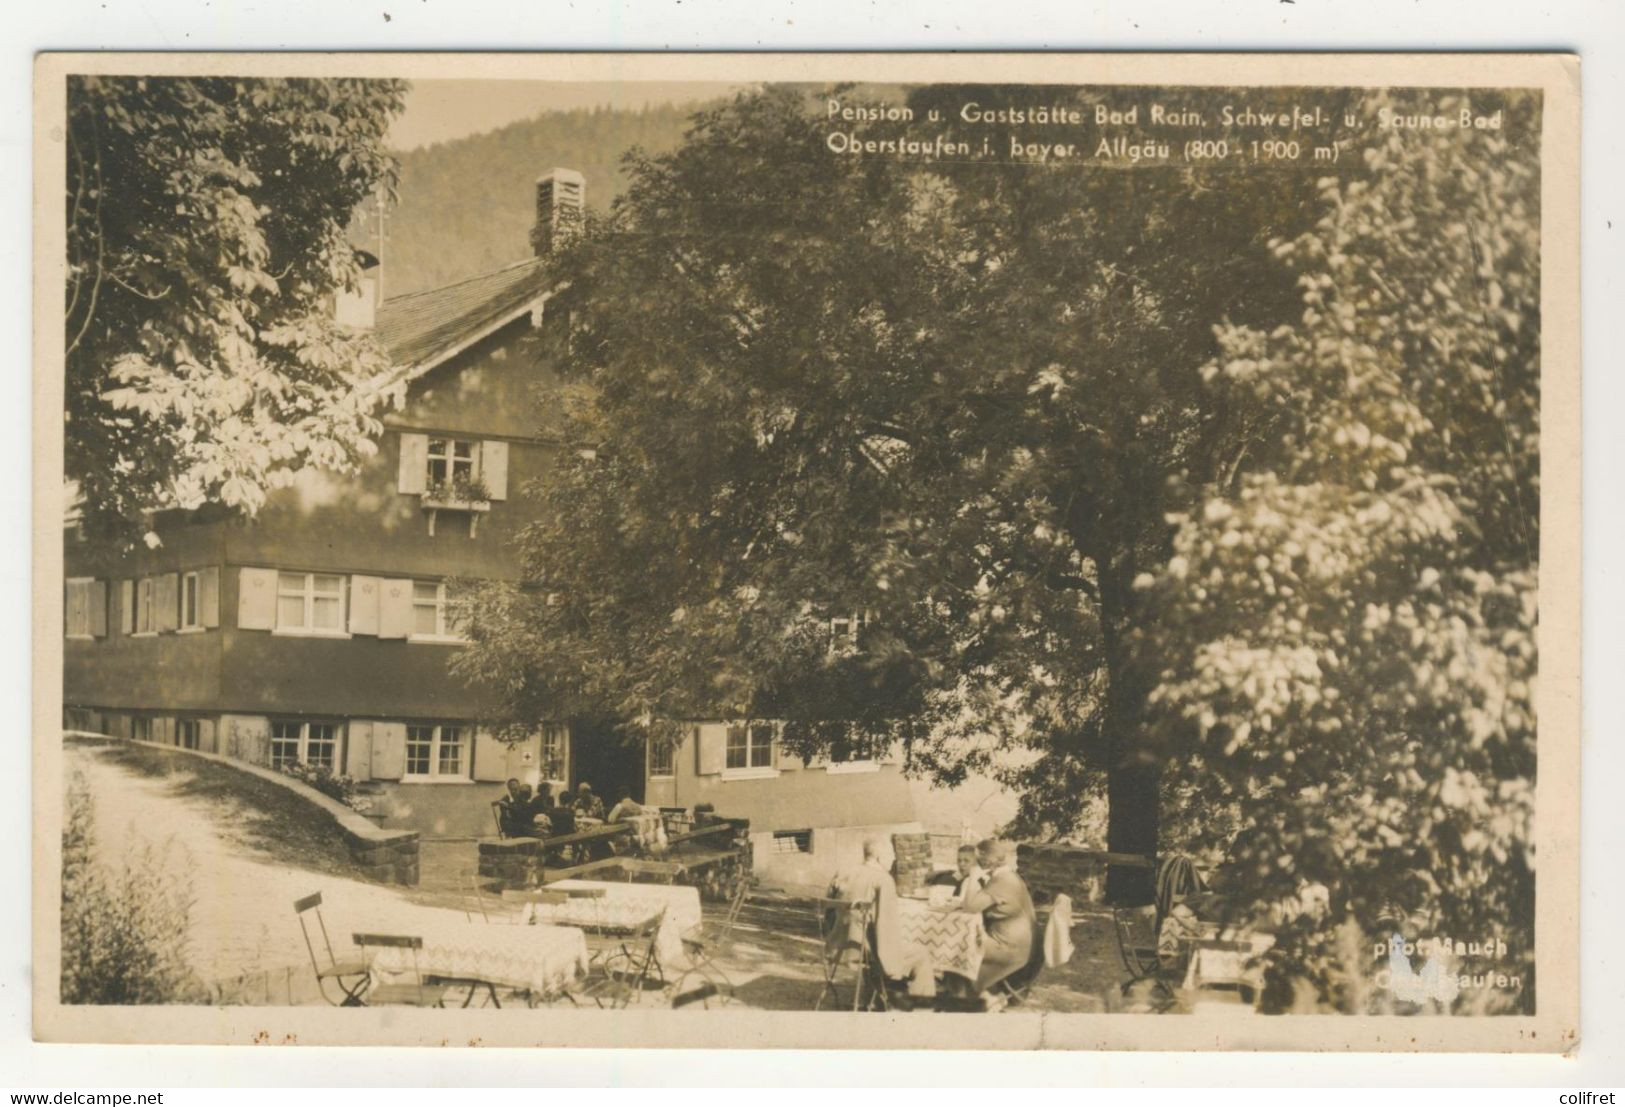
(1131, 827)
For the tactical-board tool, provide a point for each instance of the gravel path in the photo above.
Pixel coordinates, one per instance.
(242, 914)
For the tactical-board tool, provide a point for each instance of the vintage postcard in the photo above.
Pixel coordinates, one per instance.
(850, 551)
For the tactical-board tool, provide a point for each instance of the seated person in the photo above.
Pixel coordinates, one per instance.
(1008, 917)
(515, 810)
(505, 807)
(971, 876)
(586, 804)
(870, 882)
(561, 817)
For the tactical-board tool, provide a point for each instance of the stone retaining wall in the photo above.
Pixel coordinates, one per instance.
(1051, 869)
(520, 862)
(387, 856)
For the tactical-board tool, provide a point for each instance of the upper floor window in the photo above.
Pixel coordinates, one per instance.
(436, 751)
(846, 756)
(432, 613)
(310, 602)
(191, 612)
(450, 460)
(749, 747)
(314, 744)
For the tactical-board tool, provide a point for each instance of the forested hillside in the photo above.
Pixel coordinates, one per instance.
(467, 206)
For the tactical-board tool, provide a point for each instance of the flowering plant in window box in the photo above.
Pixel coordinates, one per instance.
(339, 786)
(460, 493)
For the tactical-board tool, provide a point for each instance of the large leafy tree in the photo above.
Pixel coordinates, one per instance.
(1349, 630)
(206, 222)
(952, 399)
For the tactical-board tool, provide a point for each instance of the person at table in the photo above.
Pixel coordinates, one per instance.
(871, 882)
(588, 805)
(971, 874)
(516, 810)
(561, 816)
(1007, 914)
(509, 809)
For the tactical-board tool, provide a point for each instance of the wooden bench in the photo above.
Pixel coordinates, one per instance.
(726, 827)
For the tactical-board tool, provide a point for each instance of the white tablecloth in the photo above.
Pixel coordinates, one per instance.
(952, 939)
(541, 958)
(625, 907)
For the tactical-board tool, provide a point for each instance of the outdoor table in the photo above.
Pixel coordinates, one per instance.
(623, 908)
(542, 960)
(1217, 969)
(952, 939)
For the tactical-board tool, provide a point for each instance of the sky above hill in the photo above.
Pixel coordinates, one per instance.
(439, 111)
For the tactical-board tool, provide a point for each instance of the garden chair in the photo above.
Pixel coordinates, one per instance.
(1135, 929)
(415, 992)
(838, 920)
(496, 817)
(1052, 950)
(703, 946)
(624, 974)
(351, 975)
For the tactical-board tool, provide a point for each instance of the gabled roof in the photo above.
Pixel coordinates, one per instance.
(421, 329)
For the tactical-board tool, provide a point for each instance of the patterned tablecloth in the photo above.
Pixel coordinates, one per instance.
(543, 959)
(952, 939)
(625, 907)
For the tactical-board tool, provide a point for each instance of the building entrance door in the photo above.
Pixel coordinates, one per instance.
(601, 755)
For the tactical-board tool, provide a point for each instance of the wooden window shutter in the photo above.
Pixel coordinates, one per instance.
(126, 606)
(711, 750)
(786, 761)
(414, 464)
(248, 738)
(256, 599)
(395, 609)
(98, 608)
(364, 604)
(166, 594)
(388, 751)
(358, 749)
(206, 736)
(494, 468)
(208, 596)
(491, 756)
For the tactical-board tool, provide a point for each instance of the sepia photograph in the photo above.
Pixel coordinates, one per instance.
(846, 551)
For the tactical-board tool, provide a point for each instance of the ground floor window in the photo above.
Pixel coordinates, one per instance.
(141, 729)
(314, 744)
(662, 751)
(186, 733)
(792, 841)
(555, 744)
(436, 751)
(750, 747)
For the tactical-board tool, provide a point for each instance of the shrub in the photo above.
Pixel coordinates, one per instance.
(339, 786)
(125, 931)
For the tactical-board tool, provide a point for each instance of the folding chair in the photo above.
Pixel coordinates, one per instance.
(838, 919)
(703, 948)
(412, 993)
(351, 974)
(1017, 987)
(624, 974)
(1137, 949)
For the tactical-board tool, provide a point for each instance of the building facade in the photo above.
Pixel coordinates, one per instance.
(318, 632)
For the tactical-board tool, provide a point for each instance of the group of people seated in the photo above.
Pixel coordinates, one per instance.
(986, 884)
(524, 812)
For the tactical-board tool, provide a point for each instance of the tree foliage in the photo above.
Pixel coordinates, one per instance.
(1349, 632)
(206, 236)
(1214, 485)
(947, 398)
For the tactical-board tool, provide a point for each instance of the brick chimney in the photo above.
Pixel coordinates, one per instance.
(358, 307)
(561, 199)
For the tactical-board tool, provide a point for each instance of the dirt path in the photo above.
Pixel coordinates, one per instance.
(242, 914)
